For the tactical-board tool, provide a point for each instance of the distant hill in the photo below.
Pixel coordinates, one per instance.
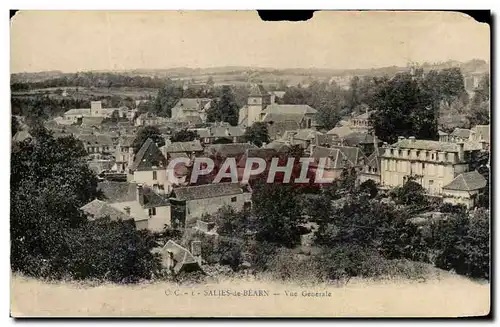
(242, 73)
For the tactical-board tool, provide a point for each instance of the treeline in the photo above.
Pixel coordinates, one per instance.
(91, 79)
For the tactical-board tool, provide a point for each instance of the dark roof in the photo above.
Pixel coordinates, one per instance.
(289, 109)
(192, 103)
(149, 156)
(118, 191)
(191, 146)
(206, 191)
(92, 121)
(153, 199)
(231, 131)
(470, 181)
(257, 90)
(98, 209)
(357, 138)
(374, 160)
(228, 150)
(433, 145)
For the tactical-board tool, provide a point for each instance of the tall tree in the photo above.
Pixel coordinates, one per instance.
(480, 104)
(166, 99)
(146, 132)
(224, 109)
(278, 213)
(403, 108)
(257, 134)
(14, 125)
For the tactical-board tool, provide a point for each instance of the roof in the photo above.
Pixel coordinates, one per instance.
(92, 121)
(306, 134)
(374, 160)
(206, 191)
(148, 156)
(352, 154)
(98, 209)
(341, 156)
(341, 131)
(181, 255)
(440, 132)
(99, 139)
(118, 191)
(190, 146)
(279, 146)
(290, 109)
(461, 132)
(257, 90)
(78, 112)
(364, 115)
(228, 150)
(357, 138)
(469, 181)
(126, 140)
(234, 131)
(434, 145)
(193, 103)
(192, 119)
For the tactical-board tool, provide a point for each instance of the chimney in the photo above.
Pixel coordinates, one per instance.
(400, 138)
(168, 141)
(196, 250)
(412, 139)
(127, 210)
(227, 131)
(461, 154)
(140, 194)
(264, 144)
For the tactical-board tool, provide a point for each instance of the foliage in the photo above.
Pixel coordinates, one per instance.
(463, 243)
(167, 98)
(278, 214)
(184, 135)
(411, 193)
(50, 237)
(403, 107)
(14, 125)
(369, 187)
(257, 134)
(151, 132)
(224, 109)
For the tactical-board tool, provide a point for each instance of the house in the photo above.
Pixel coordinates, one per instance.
(464, 189)
(176, 258)
(443, 136)
(124, 153)
(365, 141)
(150, 168)
(372, 167)
(283, 117)
(193, 202)
(337, 158)
(434, 164)
(233, 133)
(191, 107)
(258, 100)
(361, 123)
(230, 150)
(340, 132)
(150, 119)
(481, 134)
(459, 135)
(97, 143)
(149, 209)
(189, 149)
(96, 110)
(98, 209)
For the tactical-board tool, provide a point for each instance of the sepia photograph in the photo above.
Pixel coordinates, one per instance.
(233, 164)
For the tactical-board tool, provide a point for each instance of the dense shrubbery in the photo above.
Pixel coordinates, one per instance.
(50, 237)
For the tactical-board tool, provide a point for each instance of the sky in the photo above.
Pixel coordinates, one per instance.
(72, 41)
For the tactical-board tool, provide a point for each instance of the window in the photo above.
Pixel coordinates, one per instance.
(423, 166)
(233, 199)
(431, 182)
(154, 175)
(152, 211)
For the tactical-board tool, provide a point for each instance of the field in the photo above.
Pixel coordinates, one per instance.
(444, 296)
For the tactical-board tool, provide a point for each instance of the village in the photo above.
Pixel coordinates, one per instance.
(130, 150)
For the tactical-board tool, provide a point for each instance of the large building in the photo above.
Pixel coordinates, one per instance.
(433, 164)
(96, 110)
(258, 100)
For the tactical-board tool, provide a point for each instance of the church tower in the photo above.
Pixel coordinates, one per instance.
(258, 100)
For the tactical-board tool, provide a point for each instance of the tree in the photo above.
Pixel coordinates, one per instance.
(151, 132)
(403, 108)
(369, 187)
(278, 213)
(257, 134)
(14, 125)
(184, 135)
(411, 193)
(224, 109)
(166, 99)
